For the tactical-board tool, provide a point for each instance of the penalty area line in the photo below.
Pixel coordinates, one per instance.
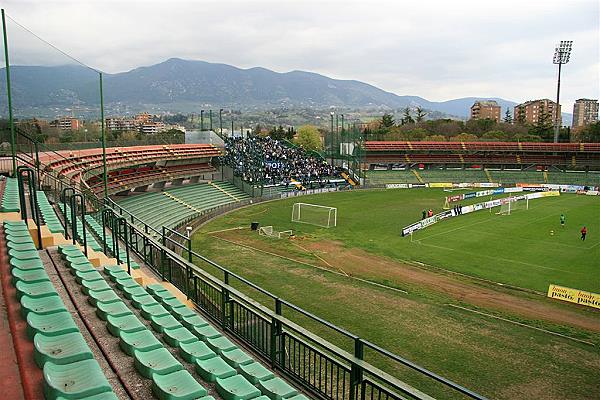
(521, 324)
(314, 266)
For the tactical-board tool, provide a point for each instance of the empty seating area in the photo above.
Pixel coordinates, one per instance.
(591, 178)
(506, 177)
(69, 368)
(135, 177)
(496, 154)
(177, 204)
(453, 175)
(10, 197)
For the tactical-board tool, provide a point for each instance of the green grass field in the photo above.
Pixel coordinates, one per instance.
(517, 249)
(496, 358)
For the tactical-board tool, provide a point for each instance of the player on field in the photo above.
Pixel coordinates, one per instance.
(583, 233)
(562, 220)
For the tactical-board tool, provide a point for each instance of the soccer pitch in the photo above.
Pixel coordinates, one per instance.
(527, 249)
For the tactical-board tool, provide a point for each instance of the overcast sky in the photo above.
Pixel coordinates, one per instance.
(439, 50)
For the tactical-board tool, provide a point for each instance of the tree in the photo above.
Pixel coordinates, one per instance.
(420, 114)
(543, 127)
(406, 117)
(387, 120)
(507, 117)
(308, 138)
(590, 133)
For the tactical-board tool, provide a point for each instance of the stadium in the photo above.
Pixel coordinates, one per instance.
(245, 267)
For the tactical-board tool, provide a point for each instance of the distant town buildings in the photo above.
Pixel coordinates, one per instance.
(585, 112)
(144, 123)
(66, 123)
(532, 111)
(488, 109)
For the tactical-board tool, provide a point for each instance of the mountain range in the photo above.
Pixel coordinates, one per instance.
(176, 84)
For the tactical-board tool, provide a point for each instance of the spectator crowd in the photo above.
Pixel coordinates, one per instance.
(263, 159)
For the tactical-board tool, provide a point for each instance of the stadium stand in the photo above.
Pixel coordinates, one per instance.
(177, 204)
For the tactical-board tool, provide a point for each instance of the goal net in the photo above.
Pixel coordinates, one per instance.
(513, 205)
(314, 214)
(270, 232)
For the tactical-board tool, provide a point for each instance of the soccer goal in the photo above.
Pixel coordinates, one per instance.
(270, 232)
(314, 214)
(513, 205)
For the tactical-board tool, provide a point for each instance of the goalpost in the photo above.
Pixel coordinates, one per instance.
(270, 232)
(512, 205)
(314, 214)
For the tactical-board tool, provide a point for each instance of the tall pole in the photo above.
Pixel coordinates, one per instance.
(221, 122)
(342, 133)
(331, 134)
(210, 118)
(103, 138)
(13, 144)
(557, 107)
(201, 120)
(231, 123)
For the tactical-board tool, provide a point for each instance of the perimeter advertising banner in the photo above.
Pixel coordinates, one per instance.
(574, 296)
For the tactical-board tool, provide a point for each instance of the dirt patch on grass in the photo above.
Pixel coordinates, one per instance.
(359, 263)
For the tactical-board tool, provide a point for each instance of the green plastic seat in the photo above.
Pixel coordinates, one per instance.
(255, 372)
(111, 268)
(236, 388)
(145, 299)
(61, 349)
(116, 309)
(126, 282)
(158, 361)
(21, 245)
(101, 396)
(178, 335)
(29, 276)
(155, 287)
(35, 290)
(74, 381)
(170, 304)
(24, 255)
(85, 267)
(81, 276)
(153, 309)
(206, 332)
(277, 389)
(236, 358)
(125, 323)
(26, 265)
(143, 340)
(71, 252)
(163, 295)
(296, 397)
(41, 305)
(76, 259)
(212, 368)
(194, 320)
(115, 275)
(220, 344)
(178, 385)
(131, 291)
(182, 312)
(97, 286)
(58, 323)
(105, 296)
(64, 247)
(159, 324)
(197, 350)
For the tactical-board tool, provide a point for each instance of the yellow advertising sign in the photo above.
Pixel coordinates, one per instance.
(574, 296)
(440, 185)
(551, 193)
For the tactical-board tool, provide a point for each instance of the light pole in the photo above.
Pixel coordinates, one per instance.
(231, 123)
(210, 118)
(331, 137)
(221, 122)
(562, 53)
(342, 138)
(201, 120)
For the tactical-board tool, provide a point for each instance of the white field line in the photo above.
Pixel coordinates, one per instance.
(225, 230)
(522, 324)
(320, 258)
(313, 266)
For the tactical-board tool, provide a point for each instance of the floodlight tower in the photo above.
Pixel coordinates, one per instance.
(562, 53)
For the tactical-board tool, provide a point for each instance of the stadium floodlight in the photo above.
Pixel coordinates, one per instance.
(562, 54)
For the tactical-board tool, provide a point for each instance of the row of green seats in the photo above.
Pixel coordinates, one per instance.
(98, 231)
(216, 358)
(91, 241)
(150, 359)
(69, 368)
(10, 198)
(50, 218)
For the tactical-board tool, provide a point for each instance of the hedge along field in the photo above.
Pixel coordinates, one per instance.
(516, 249)
(493, 357)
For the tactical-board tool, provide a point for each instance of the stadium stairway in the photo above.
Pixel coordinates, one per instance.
(417, 175)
